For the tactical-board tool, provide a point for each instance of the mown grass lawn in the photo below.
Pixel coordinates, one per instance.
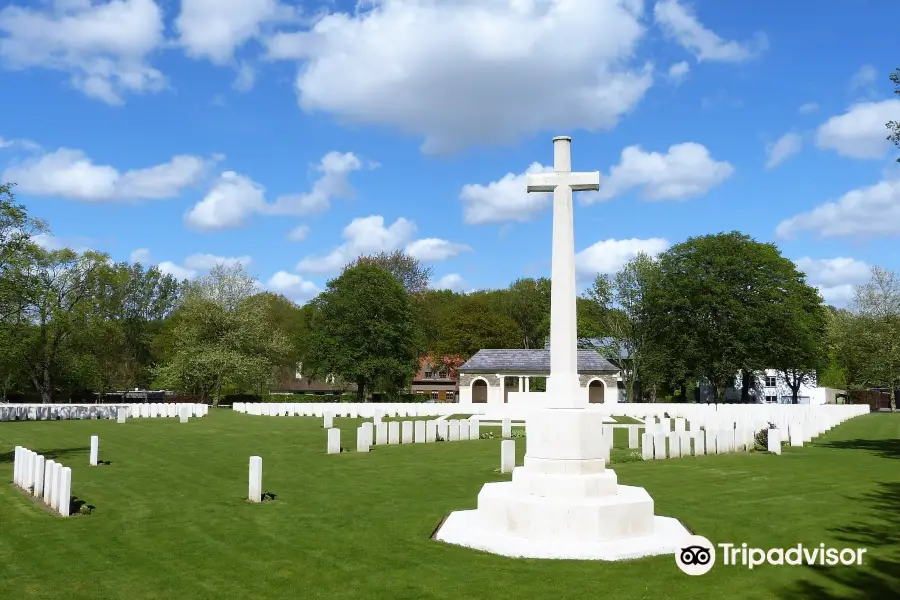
(171, 520)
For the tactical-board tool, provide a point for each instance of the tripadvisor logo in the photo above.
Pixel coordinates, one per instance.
(696, 555)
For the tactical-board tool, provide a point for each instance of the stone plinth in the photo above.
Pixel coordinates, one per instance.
(563, 503)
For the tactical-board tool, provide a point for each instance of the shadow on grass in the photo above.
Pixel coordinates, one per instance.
(9, 457)
(879, 577)
(884, 448)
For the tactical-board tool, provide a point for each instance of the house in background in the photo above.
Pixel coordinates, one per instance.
(293, 381)
(436, 382)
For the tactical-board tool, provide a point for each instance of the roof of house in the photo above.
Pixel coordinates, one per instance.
(530, 361)
(603, 345)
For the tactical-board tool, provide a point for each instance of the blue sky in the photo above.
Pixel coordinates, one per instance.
(294, 136)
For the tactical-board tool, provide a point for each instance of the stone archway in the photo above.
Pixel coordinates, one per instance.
(479, 391)
(596, 392)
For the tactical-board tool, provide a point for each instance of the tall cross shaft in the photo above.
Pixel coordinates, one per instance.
(563, 386)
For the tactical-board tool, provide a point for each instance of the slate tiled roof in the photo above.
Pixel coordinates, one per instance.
(531, 361)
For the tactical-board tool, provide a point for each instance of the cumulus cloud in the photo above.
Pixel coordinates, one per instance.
(679, 71)
(214, 29)
(191, 267)
(435, 249)
(835, 278)
(505, 199)
(292, 286)
(103, 47)
(609, 256)
(298, 233)
(453, 282)
(786, 146)
(873, 211)
(860, 132)
(234, 198)
(462, 73)
(364, 235)
(808, 108)
(681, 24)
(67, 173)
(48, 241)
(684, 171)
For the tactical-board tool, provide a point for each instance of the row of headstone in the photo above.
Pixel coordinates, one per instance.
(352, 410)
(120, 412)
(385, 433)
(47, 480)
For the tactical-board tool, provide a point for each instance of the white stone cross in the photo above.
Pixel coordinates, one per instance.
(563, 386)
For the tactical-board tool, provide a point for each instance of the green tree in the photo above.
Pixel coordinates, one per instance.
(17, 252)
(894, 126)
(620, 301)
(473, 323)
(362, 328)
(799, 348)
(527, 303)
(221, 339)
(719, 303)
(408, 270)
(877, 331)
(55, 289)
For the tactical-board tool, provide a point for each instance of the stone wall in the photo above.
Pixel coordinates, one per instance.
(609, 379)
(467, 378)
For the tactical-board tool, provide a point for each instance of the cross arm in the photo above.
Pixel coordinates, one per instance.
(579, 182)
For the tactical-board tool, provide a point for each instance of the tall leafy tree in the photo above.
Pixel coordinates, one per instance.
(527, 303)
(894, 126)
(362, 328)
(719, 303)
(408, 270)
(877, 331)
(220, 339)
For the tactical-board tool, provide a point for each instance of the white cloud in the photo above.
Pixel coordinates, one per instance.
(192, 266)
(48, 241)
(505, 199)
(292, 286)
(864, 78)
(680, 23)
(140, 255)
(67, 173)
(808, 108)
(684, 171)
(435, 249)
(364, 235)
(205, 262)
(214, 29)
(679, 71)
(102, 46)
(860, 132)
(246, 77)
(298, 233)
(463, 72)
(609, 256)
(786, 146)
(453, 282)
(234, 198)
(835, 278)
(230, 201)
(872, 211)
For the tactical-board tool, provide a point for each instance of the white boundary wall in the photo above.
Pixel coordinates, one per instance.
(62, 412)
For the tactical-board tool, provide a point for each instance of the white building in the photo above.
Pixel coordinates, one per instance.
(483, 378)
(771, 387)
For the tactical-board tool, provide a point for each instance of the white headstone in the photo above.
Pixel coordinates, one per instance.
(381, 433)
(362, 440)
(420, 432)
(65, 493)
(406, 432)
(430, 431)
(393, 432)
(122, 414)
(255, 494)
(185, 413)
(507, 456)
(39, 466)
(453, 435)
(95, 450)
(334, 441)
(465, 430)
(679, 424)
(774, 441)
(796, 434)
(369, 429)
(506, 431)
(17, 466)
(646, 446)
(443, 430)
(633, 436)
(47, 494)
(684, 439)
(674, 444)
(659, 445)
(328, 419)
(474, 427)
(57, 487)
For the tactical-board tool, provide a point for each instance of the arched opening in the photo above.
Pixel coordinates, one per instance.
(596, 391)
(479, 391)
